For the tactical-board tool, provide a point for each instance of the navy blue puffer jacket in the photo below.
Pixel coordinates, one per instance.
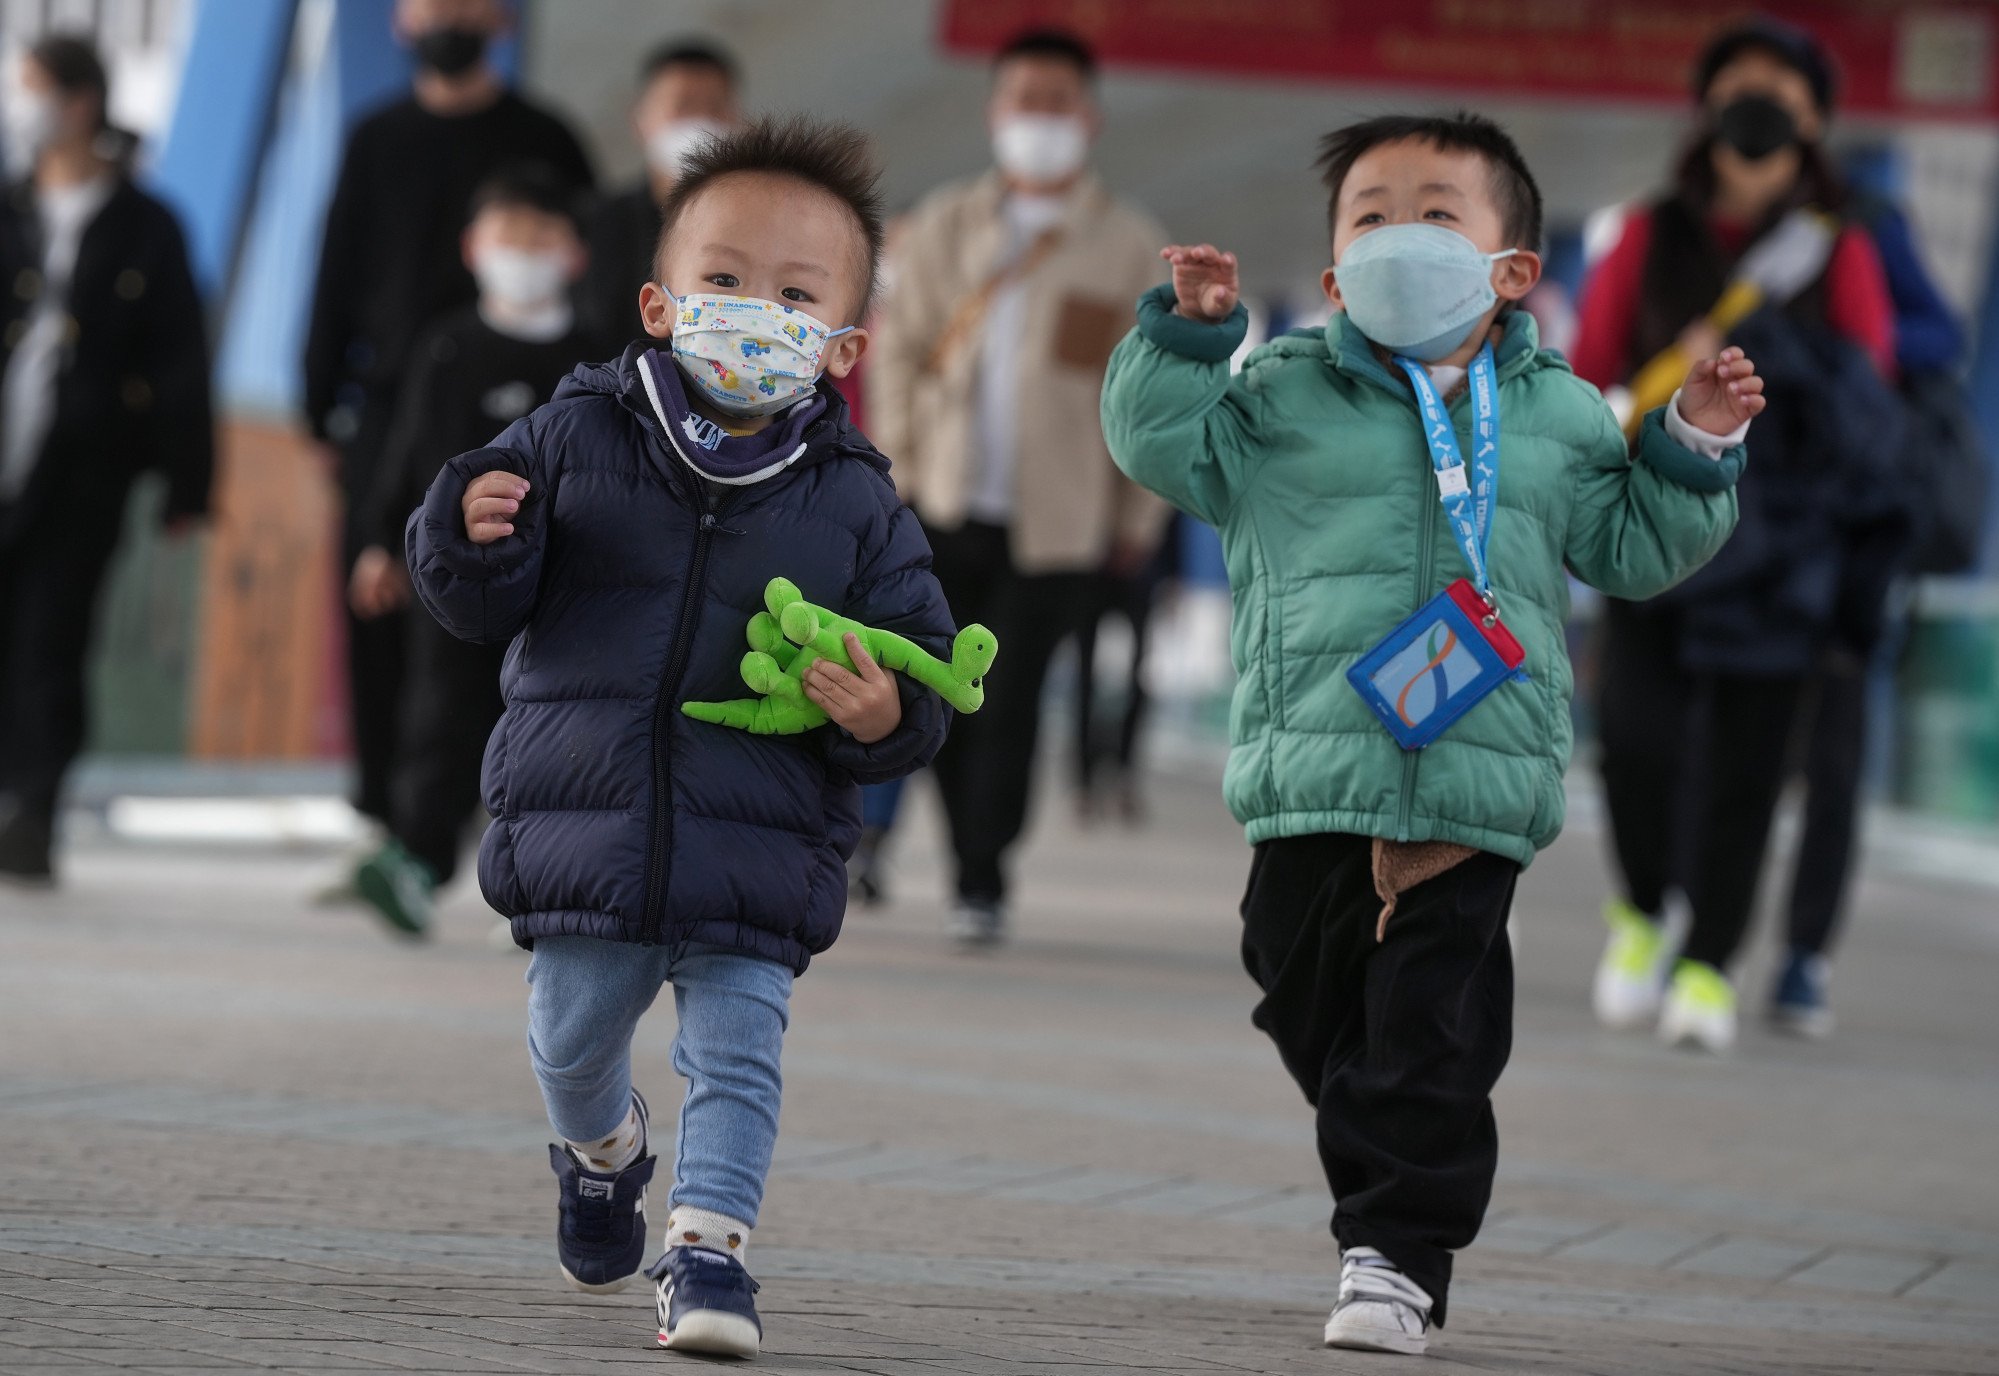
(625, 589)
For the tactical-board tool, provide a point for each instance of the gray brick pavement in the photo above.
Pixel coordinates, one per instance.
(240, 1134)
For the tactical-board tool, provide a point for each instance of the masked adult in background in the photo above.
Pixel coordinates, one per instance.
(1010, 293)
(105, 376)
(687, 93)
(1699, 690)
(390, 264)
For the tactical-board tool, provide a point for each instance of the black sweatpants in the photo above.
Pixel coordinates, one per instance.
(53, 558)
(450, 704)
(986, 768)
(1644, 703)
(1693, 766)
(1835, 761)
(1093, 743)
(1397, 1045)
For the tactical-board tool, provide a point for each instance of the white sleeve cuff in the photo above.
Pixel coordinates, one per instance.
(1687, 435)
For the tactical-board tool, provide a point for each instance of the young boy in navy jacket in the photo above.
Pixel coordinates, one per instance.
(620, 537)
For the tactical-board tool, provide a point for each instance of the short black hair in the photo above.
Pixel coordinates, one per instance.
(1513, 187)
(1793, 46)
(72, 63)
(835, 158)
(529, 186)
(1059, 44)
(687, 52)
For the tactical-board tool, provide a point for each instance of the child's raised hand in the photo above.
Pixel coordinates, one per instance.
(865, 703)
(1204, 281)
(1721, 393)
(491, 499)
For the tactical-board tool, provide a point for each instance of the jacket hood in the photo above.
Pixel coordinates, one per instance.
(831, 434)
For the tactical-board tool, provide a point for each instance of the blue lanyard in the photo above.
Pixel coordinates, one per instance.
(1467, 504)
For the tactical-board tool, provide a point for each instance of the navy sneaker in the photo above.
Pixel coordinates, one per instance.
(706, 1304)
(1801, 1005)
(600, 1232)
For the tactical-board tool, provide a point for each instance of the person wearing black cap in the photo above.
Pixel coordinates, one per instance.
(1748, 246)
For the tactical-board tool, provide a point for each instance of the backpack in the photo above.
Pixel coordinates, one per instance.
(1949, 474)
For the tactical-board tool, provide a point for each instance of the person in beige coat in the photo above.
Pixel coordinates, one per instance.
(1008, 294)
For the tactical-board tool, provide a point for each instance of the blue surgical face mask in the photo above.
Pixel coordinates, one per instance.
(1417, 289)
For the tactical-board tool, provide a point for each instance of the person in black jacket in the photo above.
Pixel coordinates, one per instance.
(687, 93)
(477, 370)
(105, 376)
(1700, 691)
(390, 264)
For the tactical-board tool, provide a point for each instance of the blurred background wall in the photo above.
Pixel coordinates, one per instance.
(226, 650)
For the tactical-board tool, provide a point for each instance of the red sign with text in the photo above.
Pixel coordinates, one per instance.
(1896, 57)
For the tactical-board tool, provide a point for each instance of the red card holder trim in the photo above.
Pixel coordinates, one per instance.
(1496, 635)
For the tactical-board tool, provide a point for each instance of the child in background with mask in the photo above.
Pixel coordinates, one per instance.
(621, 536)
(474, 372)
(1385, 856)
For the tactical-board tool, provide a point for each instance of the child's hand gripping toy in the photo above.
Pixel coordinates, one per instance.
(791, 633)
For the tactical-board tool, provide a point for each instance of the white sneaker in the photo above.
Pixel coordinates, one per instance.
(1379, 1309)
(1631, 974)
(978, 922)
(1699, 1011)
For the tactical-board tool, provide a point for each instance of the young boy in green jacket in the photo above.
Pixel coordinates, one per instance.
(1376, 908)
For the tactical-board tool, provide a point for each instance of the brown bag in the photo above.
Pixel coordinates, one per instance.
(970, 312)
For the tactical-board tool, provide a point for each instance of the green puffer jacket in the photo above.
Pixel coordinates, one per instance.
(1311, 462)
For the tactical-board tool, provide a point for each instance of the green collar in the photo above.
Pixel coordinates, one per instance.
(1518, 350)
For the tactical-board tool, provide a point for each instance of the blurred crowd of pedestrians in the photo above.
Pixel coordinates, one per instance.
(469, 261)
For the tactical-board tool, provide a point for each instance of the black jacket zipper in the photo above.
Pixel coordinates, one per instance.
(661, 844)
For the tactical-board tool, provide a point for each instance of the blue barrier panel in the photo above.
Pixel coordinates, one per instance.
(350, 69)
(214, 144)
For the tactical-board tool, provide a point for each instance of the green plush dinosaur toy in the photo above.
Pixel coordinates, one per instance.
(791, 633)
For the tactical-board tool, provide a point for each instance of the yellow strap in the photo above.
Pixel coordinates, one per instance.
(1654, 384)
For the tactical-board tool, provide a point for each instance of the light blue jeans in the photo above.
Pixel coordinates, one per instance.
(585, 998)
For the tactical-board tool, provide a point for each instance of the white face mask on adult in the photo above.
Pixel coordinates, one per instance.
(520, 278)
(674, 142)
(1041, 149)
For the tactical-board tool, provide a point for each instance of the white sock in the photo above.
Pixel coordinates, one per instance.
(686, 1227)
(609, 1155)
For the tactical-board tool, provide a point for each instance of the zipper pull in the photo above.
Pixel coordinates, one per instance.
(707, 520)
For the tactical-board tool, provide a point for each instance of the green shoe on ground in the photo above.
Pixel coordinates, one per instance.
(398, 887)
(1632, 973)
(1699, 1010)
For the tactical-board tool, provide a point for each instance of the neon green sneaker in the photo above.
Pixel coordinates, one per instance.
(1632, 973)
(398, 886)
(1699, 1009)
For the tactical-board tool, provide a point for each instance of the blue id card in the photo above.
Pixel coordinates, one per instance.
(1436, 666)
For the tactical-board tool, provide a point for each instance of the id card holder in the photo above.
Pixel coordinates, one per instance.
(1436, 666)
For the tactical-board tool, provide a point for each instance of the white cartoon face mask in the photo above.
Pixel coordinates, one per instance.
(750, 357)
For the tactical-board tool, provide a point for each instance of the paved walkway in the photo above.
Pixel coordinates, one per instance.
(239, 1132)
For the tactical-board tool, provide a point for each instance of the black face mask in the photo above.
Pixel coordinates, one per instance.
(1756, 126)
(450, 51)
